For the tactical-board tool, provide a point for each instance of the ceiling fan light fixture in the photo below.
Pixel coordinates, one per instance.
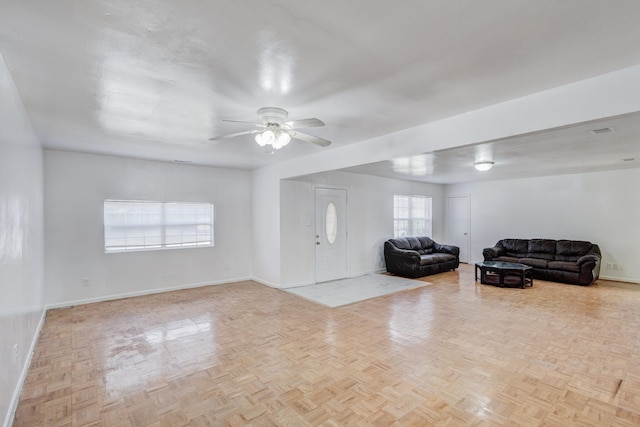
(265, 138)
(276, 138)
(483, 166)
(282, 139)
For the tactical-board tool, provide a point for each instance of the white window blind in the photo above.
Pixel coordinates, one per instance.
(141, 225)
(411, 216)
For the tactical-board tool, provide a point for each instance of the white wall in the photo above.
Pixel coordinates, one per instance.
(601, 207)
(265, 217)
(21, 243)
(76, 186)
(608, 95)
(370, 220)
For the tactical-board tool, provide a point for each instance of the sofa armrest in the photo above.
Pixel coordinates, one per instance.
(405, 254)
(447, 249)
(492, 253)
(587, 258)
(397, 253)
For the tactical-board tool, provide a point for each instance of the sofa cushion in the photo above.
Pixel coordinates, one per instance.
(437, 258)
(564, 266)
(427, 251)
(542, 249)
(515, 247)
(571, 250)
(425, 243)
(534, 262)
(421, 244)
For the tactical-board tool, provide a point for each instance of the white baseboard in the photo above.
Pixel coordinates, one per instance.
(620, 279)
(13, 405)
(144, 292)
(271, 284)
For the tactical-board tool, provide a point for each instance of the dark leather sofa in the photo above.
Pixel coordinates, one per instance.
(419, 256)
(568, 261)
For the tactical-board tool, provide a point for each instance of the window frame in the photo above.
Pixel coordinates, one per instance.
(164, 225)
(410, 219)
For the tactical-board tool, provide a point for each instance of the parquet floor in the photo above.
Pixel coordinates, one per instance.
(454, 353)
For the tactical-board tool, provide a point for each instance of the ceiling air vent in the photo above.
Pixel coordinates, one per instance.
(602, 130)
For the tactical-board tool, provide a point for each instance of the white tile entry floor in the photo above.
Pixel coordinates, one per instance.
(341, 292)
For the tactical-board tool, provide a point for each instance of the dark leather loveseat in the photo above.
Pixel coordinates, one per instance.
(419, 256)
(568, 261)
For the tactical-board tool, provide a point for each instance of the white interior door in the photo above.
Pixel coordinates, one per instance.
(331, 234)
(458, 224)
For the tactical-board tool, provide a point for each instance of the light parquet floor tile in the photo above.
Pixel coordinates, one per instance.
(455, 353)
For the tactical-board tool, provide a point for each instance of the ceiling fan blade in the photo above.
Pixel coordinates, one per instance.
(310, 138)
(233, 135)
(243, 121)
(305, 123)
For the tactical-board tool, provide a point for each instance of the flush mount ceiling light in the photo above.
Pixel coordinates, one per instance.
(483, 166)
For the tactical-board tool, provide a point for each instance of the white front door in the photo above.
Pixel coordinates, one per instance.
(331, 234)
(458, 224)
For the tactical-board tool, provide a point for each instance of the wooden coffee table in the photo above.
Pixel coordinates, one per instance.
(504, 274)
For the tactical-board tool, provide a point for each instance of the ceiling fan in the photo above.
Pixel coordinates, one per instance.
(274, 132)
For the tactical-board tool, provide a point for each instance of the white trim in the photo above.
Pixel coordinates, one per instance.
(145, 292)
(13, 404)
(270, 284)
(620, 279)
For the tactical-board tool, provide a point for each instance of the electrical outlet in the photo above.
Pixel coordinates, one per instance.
(15, 353)
(616, 267)
(85, 282)
(609, 266)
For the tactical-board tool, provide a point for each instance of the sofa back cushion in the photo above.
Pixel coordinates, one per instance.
(571, 250)
(518, 248)
(423, 245)
(542, 249)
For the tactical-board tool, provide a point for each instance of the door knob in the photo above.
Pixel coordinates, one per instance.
(317, 243)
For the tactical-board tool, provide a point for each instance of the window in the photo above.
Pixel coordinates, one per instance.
(140, 225)
(411, 216)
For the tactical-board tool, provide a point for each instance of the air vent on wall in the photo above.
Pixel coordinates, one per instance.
(602, 130)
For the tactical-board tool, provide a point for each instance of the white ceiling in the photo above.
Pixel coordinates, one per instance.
(573, 149)
(155, 79)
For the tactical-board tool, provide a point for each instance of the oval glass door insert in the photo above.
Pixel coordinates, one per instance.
(331, 223)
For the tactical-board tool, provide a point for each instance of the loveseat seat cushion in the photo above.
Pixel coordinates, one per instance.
(534, 262)
(571, 250)
(564, 266)
(436, 259)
